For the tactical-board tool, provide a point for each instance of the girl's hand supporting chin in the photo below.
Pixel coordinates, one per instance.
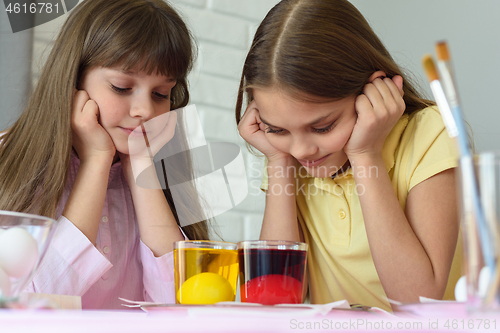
(96, 152)
(378, 108)
(143, 145)
(90, 139)
(252, 130)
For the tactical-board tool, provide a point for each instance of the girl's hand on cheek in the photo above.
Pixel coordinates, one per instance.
(156, 133)
(152, 136)
(378, 108)
(252, 129)
(90, 139)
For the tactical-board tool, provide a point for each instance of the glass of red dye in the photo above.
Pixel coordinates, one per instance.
(272, 272)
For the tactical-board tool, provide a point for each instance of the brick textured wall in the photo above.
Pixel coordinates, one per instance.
(223, 30)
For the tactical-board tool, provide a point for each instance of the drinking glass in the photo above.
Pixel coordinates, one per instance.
(272, 272)
(481, 231)
(206, 272)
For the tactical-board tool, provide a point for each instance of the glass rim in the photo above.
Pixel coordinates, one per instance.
(273, 244)
(205, 244)
(495, 152)
(492, 156)
(27, 216)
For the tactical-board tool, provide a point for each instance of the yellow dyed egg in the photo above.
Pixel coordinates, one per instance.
(205, 288)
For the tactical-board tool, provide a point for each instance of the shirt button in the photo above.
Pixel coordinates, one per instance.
(342, 214)
(106, 250)
(104, 219)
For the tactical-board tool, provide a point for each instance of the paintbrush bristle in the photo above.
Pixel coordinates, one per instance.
(430, 68)
(442, 51)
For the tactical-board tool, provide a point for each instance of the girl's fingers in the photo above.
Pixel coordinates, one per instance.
(395, 101)
(87, 118)
(385, 96)
(398, 81)
(262, 126)
(90, 109)
(252, 105)
(172, 121)
(362, 103)
(90, 139)
(250, 122)
(251, 109)
(81, 97)
(371, 92)
(158, 131)
(396, 87)
(381, 94)
(252, 129)
(391, 89)
(167, 133)
(85, 111)
(378, 108)
(366, 117)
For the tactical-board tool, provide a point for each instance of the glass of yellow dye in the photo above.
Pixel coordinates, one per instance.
(206, 272)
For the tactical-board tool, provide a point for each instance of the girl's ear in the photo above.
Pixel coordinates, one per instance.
(377, 74)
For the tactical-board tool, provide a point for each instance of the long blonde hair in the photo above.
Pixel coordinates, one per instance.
(146, 35)
(322, 48)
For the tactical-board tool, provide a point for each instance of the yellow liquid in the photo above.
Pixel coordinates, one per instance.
(190, 262)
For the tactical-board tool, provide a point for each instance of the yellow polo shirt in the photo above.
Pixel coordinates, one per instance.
(340, 264)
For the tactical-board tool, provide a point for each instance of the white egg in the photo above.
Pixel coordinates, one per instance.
(461, 289)
(18, 252)
(4, 284)
(483, 284)
(484, 280)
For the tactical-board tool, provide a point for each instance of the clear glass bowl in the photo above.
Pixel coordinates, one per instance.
(24, 239)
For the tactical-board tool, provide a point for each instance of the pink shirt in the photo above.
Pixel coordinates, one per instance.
(120, 265)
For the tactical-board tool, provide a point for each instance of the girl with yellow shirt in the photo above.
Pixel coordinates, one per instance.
(359, 165)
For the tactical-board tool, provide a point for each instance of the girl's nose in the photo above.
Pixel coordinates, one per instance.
(302, 149)
(142, 108)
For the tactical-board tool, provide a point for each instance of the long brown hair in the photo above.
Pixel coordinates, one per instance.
(145, 35)
(322, 48)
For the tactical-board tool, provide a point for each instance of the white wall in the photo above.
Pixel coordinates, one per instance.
(409, 29)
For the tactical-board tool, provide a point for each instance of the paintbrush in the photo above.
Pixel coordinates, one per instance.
(488, 236)
(446, 72)
(439, 96)
(445, 67)
(452, 117)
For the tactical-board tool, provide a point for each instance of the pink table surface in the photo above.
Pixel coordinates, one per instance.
(430, 317)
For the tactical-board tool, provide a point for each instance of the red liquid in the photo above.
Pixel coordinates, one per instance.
(272, 276)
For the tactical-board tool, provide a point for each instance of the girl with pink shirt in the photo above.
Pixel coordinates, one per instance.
(115, 65)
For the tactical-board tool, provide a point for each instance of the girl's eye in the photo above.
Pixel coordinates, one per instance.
(161, 95)
(124, 90)
(324, 129)
(270, 130)
(119, 90)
